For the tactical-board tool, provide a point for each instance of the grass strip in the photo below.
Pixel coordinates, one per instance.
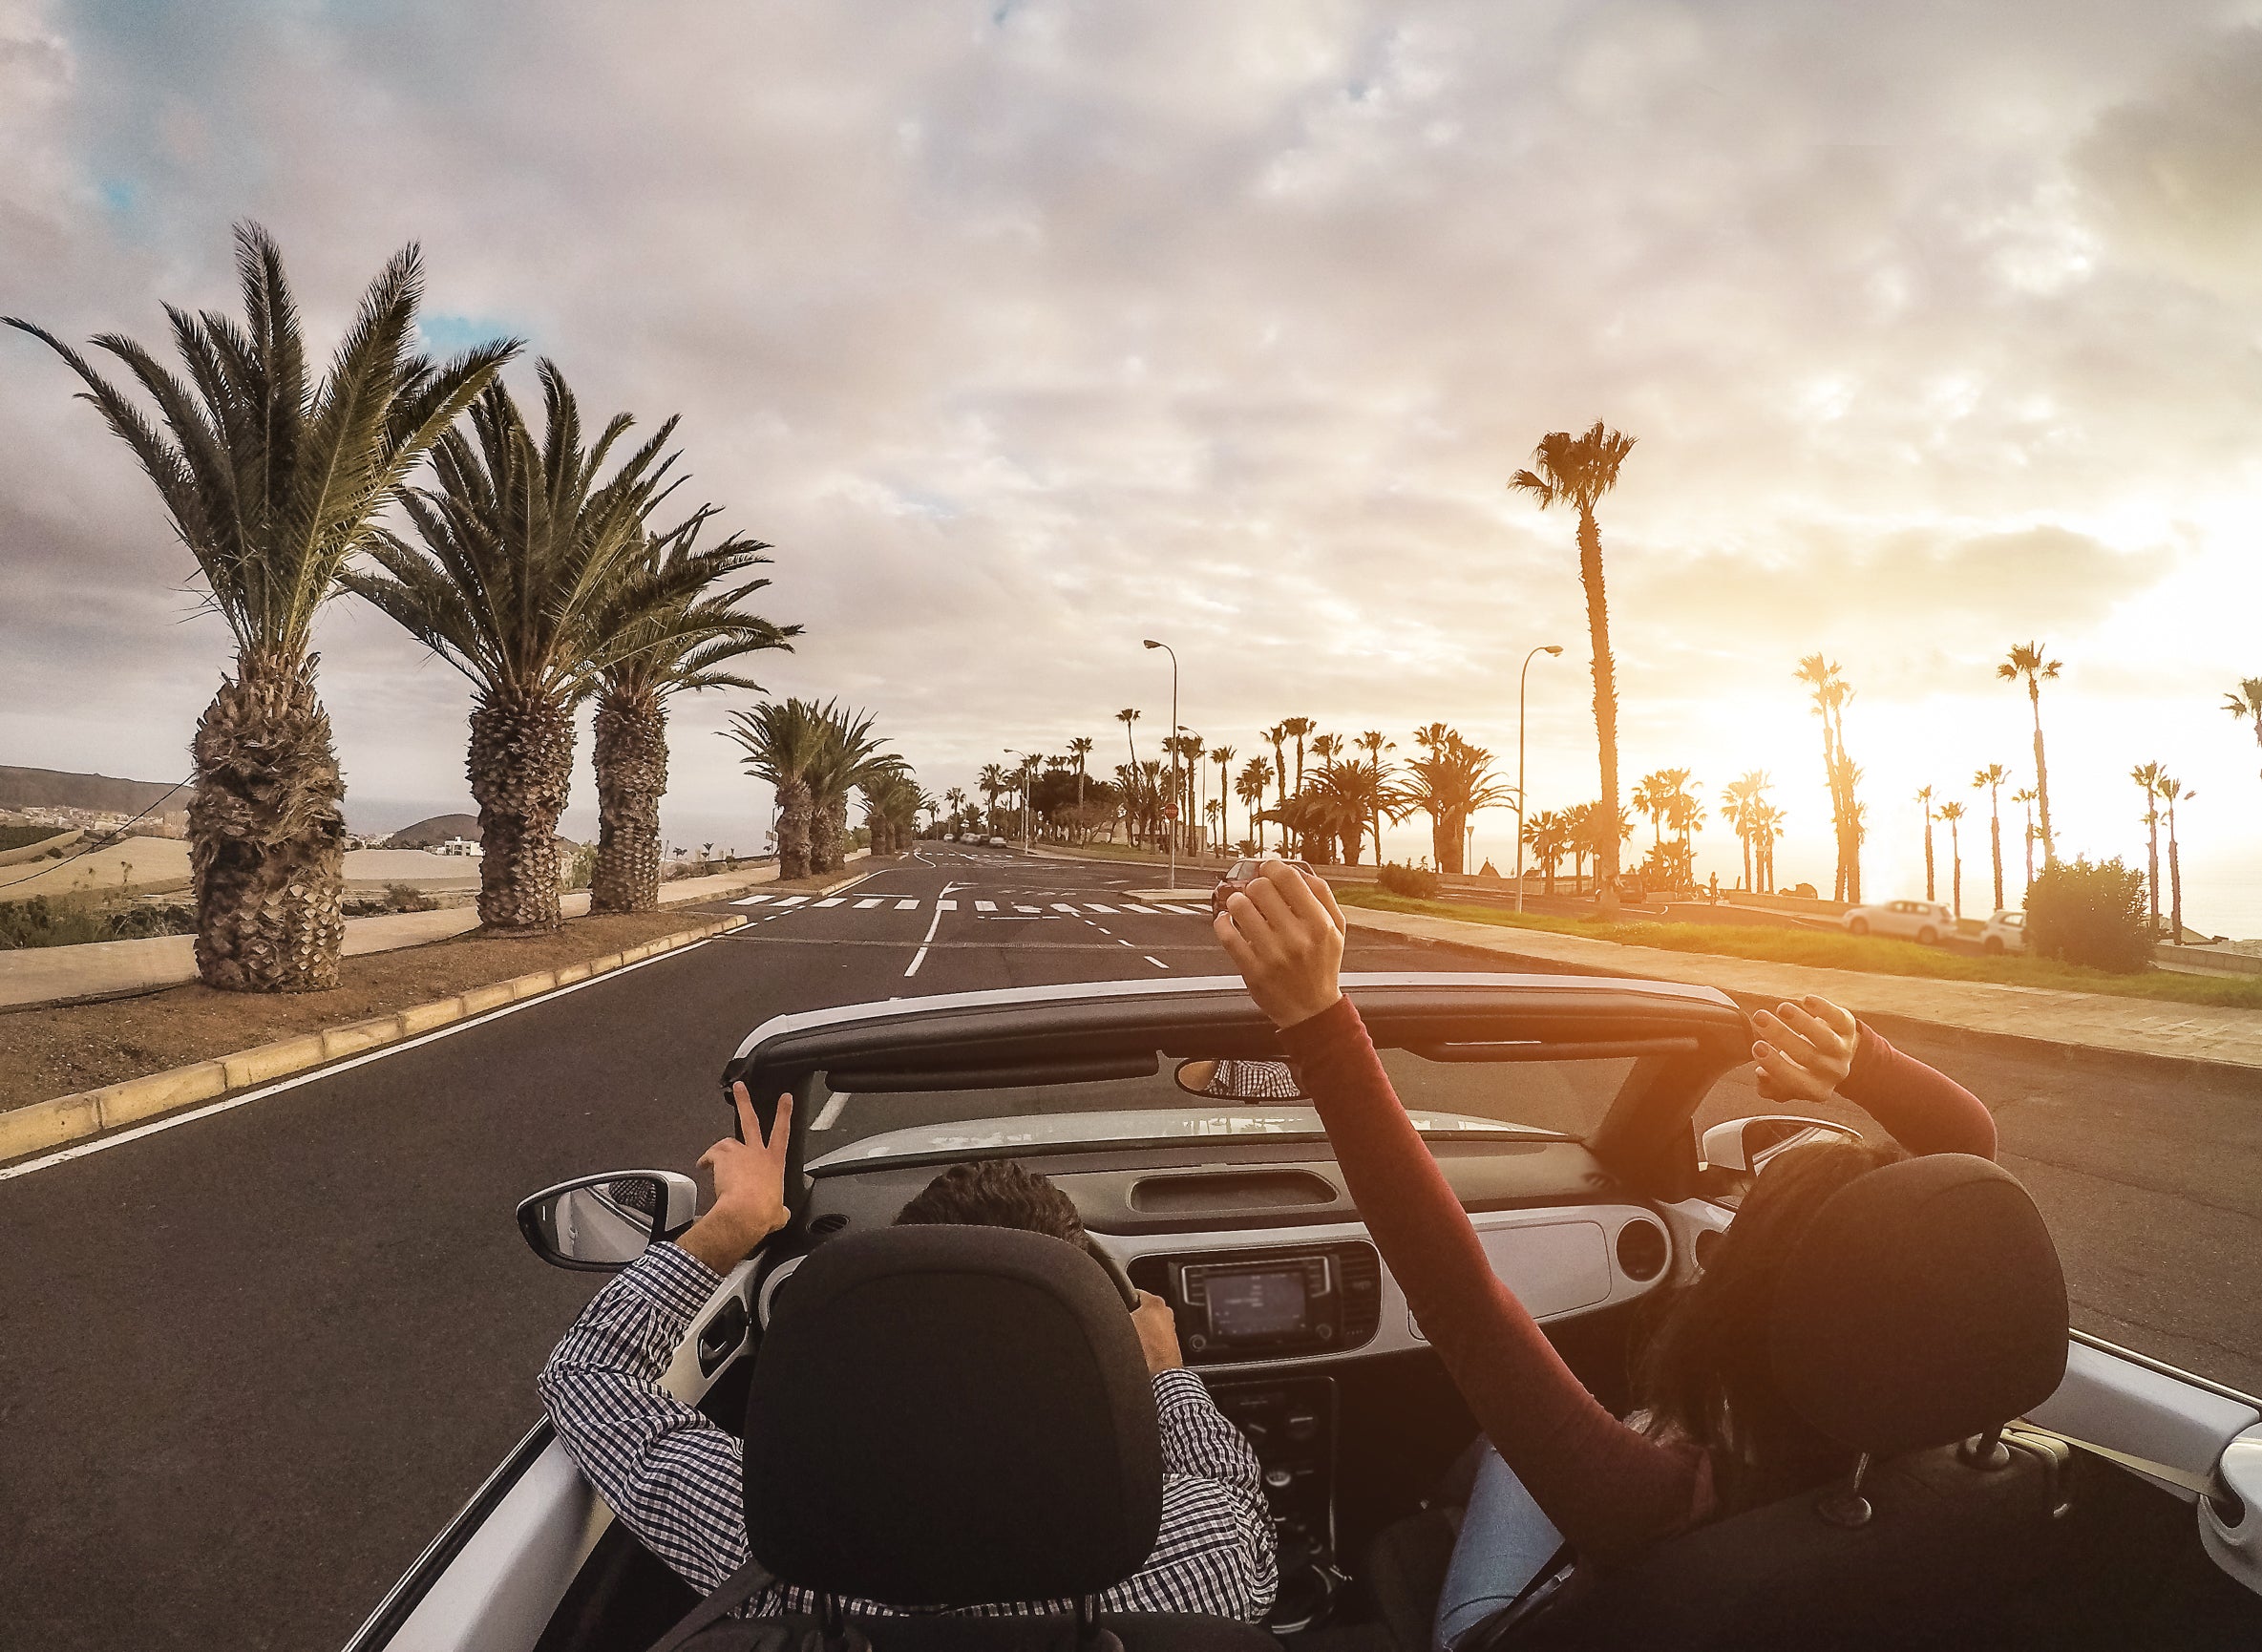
(1821, 949)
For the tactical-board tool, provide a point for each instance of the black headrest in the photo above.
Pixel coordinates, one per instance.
(1923, 1304)
(946, 1416)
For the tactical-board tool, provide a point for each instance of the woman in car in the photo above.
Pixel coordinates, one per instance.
(1712, 1436)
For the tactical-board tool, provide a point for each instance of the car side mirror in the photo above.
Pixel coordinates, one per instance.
(601, 1223)
(1747, 1144)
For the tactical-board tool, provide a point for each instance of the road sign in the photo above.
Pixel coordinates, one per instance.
(1170, 811)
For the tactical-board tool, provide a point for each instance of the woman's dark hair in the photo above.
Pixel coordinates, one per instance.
(1704, 1373)
(995, 1193)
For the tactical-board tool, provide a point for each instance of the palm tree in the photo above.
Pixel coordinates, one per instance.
(991, 781)
(1766, 826)
(848, 753)
(892, 802)
(1741, 800)
(2172, 792)
(1650, 798)
(1256, 775)
(2246, 703)
(2025, 795)
(1451, 781)
(1991, 779)
(782, 740)
(1276, 737)
(1080, 748)
(1129, 715)
(958, 800)
(2148, 777)
(1374, 743)
(273, 484)
(1188, 748)
(1296, 728)
(1580, 470)
(1952, 811)
(2025, 662)
(1223, 756)
(679, 645)
(1548, 836)
(523, 554)
(1924, 799)
(1831, 692)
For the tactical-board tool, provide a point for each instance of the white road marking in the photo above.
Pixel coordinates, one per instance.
(940, 906)
(1181, 911)
(1019, 908)
(1064, 906)
(831, 1115)
(947, 906)
(751, 901)
(985, 905)
(832, 900)
(102, 1144)
(791, 900)
(906, 907)
(870, 901)
(1156, 961)
(1109, 910)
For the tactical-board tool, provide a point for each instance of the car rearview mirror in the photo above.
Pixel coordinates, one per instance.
(1747, 1144)
(1239, 1080)
(601, 1223)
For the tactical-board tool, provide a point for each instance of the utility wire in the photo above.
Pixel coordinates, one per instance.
(108, 839)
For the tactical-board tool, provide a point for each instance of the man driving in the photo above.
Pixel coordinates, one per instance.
(671, 1476)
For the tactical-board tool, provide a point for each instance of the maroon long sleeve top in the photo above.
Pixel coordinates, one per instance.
(1610, 1489)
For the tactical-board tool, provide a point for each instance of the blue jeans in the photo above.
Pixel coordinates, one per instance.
(1504, 1542)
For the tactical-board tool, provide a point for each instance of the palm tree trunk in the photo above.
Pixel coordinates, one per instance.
(1995, 848)
(631, 754)
(828, 826)
(2152, 861)
(1929, 885)
(1590, 575)
(794, 812)
(2175, 881)
(1955, 863)
(520, 767)
(2041, 773)
(267, 836)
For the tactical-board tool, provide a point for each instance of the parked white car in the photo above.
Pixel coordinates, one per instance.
(1920, 921)
(2004, 932)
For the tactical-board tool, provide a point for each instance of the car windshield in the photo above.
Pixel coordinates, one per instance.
(1565, 1098)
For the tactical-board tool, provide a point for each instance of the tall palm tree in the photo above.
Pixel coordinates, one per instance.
(1080, 748)
(782, 740)
(274, 483)
(1188, 748)
(1276, 737)
(2026, 662)
(1579, 471)
(2025, 796)
(2148, 777)
(1129, 715)
(1991, 779)
(2172, 792)
(1741, 800)
(1298, 728)
(1952, 811)
(1830, 693)
(1256, 775)
(678, 645)
(958, 800)
(1374, 743)
(848, 755)
(991, 782)
(1223, 756)
(522, 553)
(1450, 781)
(1650, 799)
(1548, 836)
(1924, 799)
(2246, 703)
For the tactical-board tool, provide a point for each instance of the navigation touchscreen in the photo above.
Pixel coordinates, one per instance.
(1257, 1304)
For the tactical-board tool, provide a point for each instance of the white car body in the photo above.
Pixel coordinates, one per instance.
(2004, 932)
(1923, 921)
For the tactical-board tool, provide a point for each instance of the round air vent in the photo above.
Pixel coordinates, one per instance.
(1642, 1250)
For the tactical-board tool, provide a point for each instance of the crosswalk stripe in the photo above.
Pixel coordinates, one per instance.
(947, 906)
(1019, 908)
(751, 900)
(906, 907)
(791, 900)
(1064, 906)
(1109, 910)
(866, 904)
(834, 900)
(985, 905)
(1181, 911)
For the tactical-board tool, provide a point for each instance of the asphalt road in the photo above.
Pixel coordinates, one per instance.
(248, 1365)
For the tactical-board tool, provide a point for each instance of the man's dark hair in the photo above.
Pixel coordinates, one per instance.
(995, 1193)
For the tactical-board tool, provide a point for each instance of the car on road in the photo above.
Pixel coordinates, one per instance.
(1924, 922)
(1238, 875)
(2003, 932)
(1575, 1119)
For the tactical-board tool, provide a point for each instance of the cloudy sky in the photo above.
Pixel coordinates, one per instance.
(1025, 330)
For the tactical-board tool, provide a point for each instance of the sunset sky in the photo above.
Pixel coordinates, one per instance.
(1025, 331)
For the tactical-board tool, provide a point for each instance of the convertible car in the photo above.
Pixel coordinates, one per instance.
(1576, 1120)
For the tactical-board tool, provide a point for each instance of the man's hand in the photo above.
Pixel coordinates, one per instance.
(1285, 933)
(749, 1203)
(1158, 1333)
(1804, 1050)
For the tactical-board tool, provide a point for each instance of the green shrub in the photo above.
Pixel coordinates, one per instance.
(1412, 882)
(2093, 915)
(406, 897)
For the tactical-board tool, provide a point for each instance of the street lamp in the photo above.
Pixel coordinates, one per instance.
(1171, 834)
(1521, 676)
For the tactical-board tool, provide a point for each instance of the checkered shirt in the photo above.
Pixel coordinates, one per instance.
(671, 1476)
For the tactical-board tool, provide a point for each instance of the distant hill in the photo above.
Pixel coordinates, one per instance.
(427, 834)
(56, 789)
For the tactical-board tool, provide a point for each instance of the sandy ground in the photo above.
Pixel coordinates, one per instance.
(149, 864)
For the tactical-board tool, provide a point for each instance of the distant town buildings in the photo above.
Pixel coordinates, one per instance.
(172, 824)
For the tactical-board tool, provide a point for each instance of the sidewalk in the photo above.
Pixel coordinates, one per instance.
(105, 968)
(2074, 1020)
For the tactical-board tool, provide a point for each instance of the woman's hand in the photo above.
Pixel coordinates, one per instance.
(750, 1187)
(1285, 933)
(1804, 1050)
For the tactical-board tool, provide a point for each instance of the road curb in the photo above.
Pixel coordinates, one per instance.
(47, 1125)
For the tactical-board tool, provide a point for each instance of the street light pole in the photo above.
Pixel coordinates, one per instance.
(1028, 773)
(1521, 678)
(1170, 833)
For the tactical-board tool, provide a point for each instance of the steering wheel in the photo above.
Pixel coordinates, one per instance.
(1115, 1271)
